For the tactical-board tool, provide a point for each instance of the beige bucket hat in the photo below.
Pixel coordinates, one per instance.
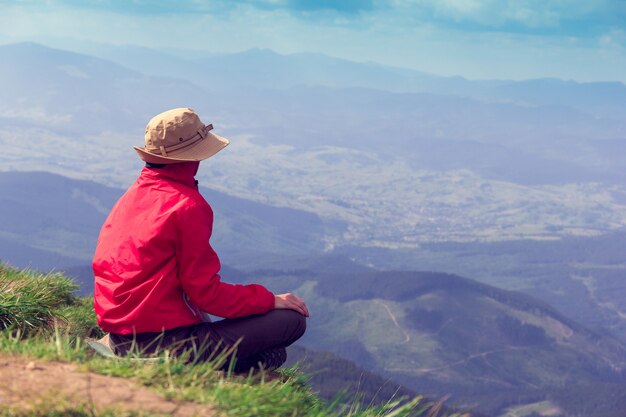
(178, 135)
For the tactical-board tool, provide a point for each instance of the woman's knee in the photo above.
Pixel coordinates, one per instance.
(294, 322)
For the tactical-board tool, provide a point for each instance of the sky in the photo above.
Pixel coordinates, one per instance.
(584, 40)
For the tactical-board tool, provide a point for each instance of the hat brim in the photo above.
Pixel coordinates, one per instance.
(203, 149)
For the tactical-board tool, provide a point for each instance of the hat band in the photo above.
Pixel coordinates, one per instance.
(164, 150)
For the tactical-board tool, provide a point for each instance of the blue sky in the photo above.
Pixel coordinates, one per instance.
(570, 39)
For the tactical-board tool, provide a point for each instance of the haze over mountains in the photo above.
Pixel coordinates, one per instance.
(399, 168)
(518, 185)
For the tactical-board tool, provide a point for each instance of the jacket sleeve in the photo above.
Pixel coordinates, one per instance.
(198, 271)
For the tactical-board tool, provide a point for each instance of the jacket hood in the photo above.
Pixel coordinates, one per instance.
(183, 172)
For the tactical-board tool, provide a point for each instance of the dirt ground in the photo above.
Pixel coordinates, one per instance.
(24, 383)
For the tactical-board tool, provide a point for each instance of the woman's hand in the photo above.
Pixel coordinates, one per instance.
(291, 302)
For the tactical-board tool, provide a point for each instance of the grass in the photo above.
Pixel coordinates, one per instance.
(40, 318)
(58, 408)
(28, 300)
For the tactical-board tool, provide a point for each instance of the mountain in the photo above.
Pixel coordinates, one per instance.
(579, 276)
(76, 94)
(380, 168)
(270, 70)
(50, 221)
(264, 67)
(435, 333)
(26, 256)
(601, 99)
(330, 375)
(51, 213)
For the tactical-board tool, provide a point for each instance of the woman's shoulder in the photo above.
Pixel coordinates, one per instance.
(193, 201)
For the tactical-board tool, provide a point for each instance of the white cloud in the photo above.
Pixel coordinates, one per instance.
(459, 8)
(515, 15)
(35, 114)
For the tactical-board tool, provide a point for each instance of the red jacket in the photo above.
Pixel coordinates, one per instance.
(153, 249)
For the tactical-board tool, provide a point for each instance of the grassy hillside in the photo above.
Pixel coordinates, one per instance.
(41, 318)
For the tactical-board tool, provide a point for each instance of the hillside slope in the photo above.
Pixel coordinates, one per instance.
(444, 334)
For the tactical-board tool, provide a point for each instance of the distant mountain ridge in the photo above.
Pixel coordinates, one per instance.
(67, 91)
(264, 68)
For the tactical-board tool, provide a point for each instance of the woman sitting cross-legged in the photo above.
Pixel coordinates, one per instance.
(156, 274)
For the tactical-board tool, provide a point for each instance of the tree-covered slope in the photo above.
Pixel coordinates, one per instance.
(444, 334)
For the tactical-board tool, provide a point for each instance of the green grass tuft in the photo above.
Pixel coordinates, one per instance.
(79, 319)
(28, 299)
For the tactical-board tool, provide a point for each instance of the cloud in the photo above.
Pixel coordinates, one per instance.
(298, 6)
(613, 38)
(543, 17)
(540, 17)
(205, 7)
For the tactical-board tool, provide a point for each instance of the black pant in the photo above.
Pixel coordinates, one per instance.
(253, 336)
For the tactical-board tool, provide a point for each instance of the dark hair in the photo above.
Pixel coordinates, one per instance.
(151, 165)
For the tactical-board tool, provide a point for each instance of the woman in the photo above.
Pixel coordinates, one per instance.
(156, 273)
